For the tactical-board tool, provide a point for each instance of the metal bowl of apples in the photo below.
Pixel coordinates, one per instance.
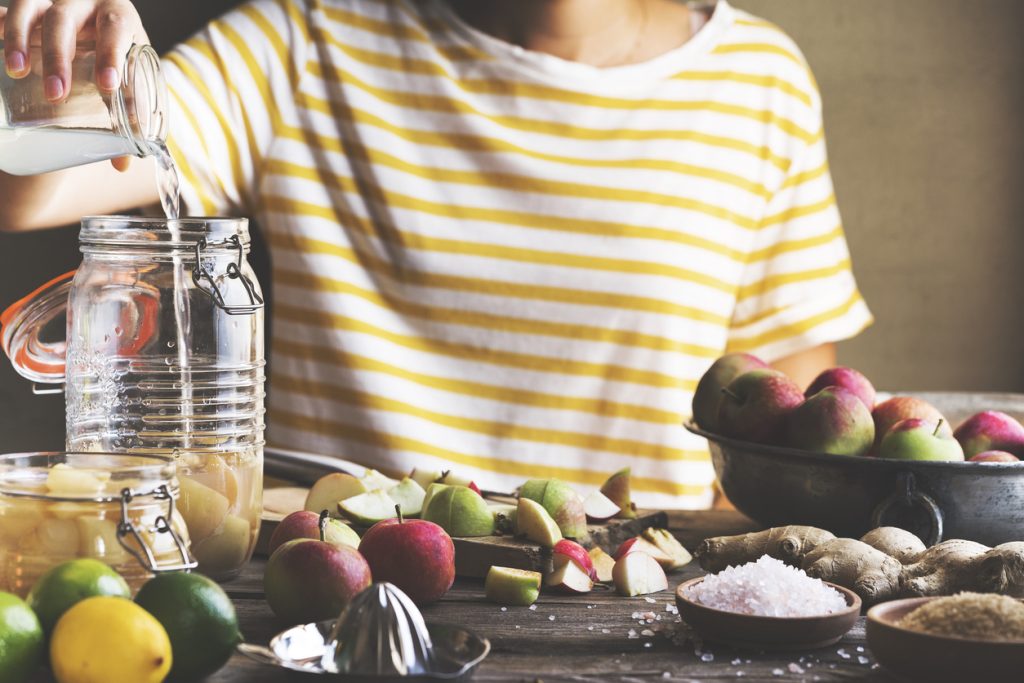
(851, 494)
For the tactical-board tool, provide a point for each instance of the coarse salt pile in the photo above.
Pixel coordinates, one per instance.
(767, 588)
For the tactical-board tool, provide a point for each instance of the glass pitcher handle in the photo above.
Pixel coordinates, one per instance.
(38, 361)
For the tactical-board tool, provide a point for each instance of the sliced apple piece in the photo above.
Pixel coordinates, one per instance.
(603, 564)
(504, 517)
(216, 474)
(534, 522)
(571, 551)
(368, 508)
(431, 491)
(203, 509)
(458, 511)
(227, 550)
(331, 489)
(409, 495)
(425, 477)
(452, 479)
(617, 489)
(98, 539)
(640, 544)
(570, 578)
(599, 507)
(638, 573)
(374, 481)
(63, 479)
(670, 546)
(508, 586)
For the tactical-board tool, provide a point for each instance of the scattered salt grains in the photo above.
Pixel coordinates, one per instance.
(533, 608)
(632, 634)
(504, 609)
(649, 616)
(795, 668)
(604, 630)
(843, 653)
(666, 674)
(650, 600)
(736, 662)
(767, 587)
(647, 633)
(707, 657)
(863, 660)
(647, 644)
(590, 628)
(777, 672)
(551, 617)
(740, 674)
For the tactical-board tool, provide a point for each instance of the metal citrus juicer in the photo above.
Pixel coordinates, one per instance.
(380, 636)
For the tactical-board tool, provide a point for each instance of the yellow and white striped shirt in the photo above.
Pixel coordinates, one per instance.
(499, 261)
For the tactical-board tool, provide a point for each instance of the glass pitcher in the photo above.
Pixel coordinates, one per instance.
(37, 136)
(164, 353)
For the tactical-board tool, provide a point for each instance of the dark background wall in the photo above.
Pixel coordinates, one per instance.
(922, 111)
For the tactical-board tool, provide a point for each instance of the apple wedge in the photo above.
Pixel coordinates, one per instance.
(571, 551)
(368, 508)
(668, 544)
(640, 544)
(409, 495)
(638, 573)
(452, 479)
(599, 507)
(203, 509)
(617, 489)
(374, 480)
(331, 489)
(508, 586)
(425, 477)
(570, 578)
(534, 522)
(603, 564)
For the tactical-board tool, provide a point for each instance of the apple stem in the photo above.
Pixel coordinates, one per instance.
(398, 511)
(731, 394)
(322, 524)
(938, 427)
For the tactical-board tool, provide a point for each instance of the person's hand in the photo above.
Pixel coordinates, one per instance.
(55, 27)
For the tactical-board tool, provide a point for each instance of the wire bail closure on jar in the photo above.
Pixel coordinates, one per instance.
(145, 556)
(234, 272)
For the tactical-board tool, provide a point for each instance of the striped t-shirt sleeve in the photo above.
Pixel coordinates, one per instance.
(797, 290)
(226, 94)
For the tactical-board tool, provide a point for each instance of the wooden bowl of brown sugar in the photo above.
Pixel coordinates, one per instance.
(921, 655)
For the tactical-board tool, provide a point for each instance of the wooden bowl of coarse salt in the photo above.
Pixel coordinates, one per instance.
(820, 616)
(907, 648)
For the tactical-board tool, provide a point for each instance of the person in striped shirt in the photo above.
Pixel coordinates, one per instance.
(507, 237)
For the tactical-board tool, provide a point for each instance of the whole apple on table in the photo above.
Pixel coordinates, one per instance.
(742, 397)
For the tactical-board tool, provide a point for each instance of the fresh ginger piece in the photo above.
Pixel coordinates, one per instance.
(1001, 570)
(787, 543)
(895, 542)
(853, 564)
(944, 569)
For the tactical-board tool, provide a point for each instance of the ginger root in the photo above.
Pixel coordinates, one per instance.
(953, 566)
(1001, 570)
(853, 564)
(895, 542)
(787, 543)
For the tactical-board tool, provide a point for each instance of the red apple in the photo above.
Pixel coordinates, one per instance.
(994, 456)
(603, 564)
(307, 580)
(848, 379)
(991, 430)
(571, 551)
(756, 404)
(416, 555)
(306, 524)
(638, 574)
(834, 420)
(899, 408)
(640, 544)
(708, 394)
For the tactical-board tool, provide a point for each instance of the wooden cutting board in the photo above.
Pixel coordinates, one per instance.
(474, 556)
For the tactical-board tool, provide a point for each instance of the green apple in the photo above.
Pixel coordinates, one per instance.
(534, 522)
(368, 508)
(331, 489)
(834, 420)
(431, 490)
(508, 586)
(563, 504)
(409, 495)
(459, 511)
(374, 481)
(919, 439)
(617, 490)
(709, 390)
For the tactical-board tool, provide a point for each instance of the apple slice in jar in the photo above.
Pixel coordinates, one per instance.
(62, 479)
(203, 509)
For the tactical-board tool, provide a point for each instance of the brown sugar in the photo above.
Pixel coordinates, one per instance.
(977, 616)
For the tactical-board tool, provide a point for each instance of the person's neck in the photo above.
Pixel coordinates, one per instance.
(596, 32)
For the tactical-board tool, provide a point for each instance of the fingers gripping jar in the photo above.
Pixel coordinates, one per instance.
(164, 354)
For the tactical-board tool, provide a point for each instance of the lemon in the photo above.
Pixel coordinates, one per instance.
(199, 618)
(108, 639)
(65, 584)
(21, 640)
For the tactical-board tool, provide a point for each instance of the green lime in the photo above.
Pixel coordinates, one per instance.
(199, 618)
(70, 582)
(21, 640)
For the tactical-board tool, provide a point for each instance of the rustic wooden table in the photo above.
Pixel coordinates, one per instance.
(596, 637)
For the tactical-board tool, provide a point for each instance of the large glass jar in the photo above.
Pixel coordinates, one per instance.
(164, 354)
(115, 508)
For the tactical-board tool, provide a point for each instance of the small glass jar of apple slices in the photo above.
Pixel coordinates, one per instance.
(117, 508)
